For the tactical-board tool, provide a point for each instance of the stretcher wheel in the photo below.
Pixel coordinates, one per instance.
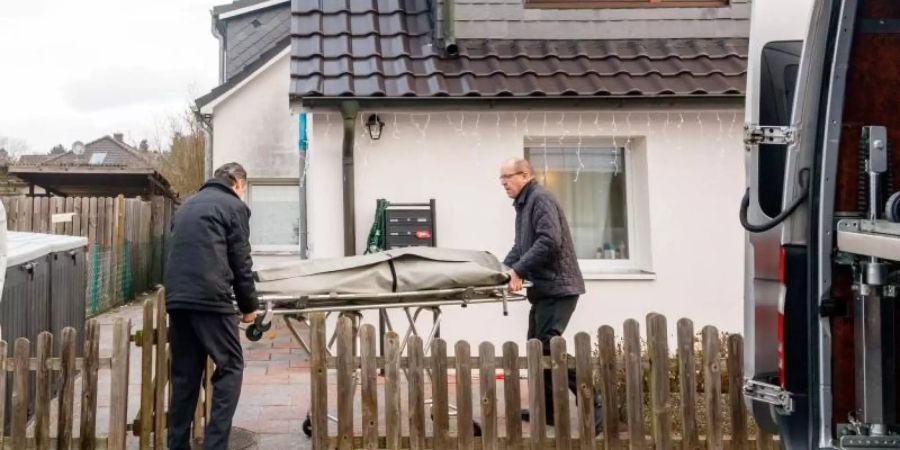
(256, 329)
(307, 426)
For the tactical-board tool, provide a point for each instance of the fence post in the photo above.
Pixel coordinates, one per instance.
(43, 351)
(345, 369)
(658, 349)
(735, 395)
(319, 383)
(488, 391)
(560, 384)
(89, 385)
(66, 389)
(584, 377)
(391, 387)
(20, 393)
(3, 353)
(368, 374)
(538, 427)
(162, 369)
(687, 379)
(713, 382)
(634, 385)
(511, 396)
(416, 396)
(606, 363)
(439, 394)
(118, 393)
(465, 428)
(145, 416)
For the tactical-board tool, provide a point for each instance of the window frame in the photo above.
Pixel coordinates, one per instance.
(636, 263)
(271, 249)
(623, 4)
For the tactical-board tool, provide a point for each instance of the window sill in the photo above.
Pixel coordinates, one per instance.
(637, 275)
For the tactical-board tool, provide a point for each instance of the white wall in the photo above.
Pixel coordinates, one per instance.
(694, 184)
(254, 126)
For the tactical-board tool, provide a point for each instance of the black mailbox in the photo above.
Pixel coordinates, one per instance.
(410, 224)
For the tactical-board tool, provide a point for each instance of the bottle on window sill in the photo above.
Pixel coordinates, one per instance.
(609, 252)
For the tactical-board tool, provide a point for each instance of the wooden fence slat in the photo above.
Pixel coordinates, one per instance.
(147, 392)
(560, 383)
(78, 225)
(584, 377)
(369, 375)
(89, 385)
(58, 207)
(162, 369)
(26, 213)
(3, 353)
(118, 392)
(538, 427)
(687, 376)
(606, 363)
(66, 390)
(9, 204)
(391, 388)
(20, 393)
(488, 390)
(735, 368)
(43, 351)
(416, 378)
(118, 242)
(93, 218)
(465, 428)
(511, 395)
(634, 385)
(658, 349)
(345, 385)
(440, 394)
(319, 381)
(713, 387)
(68, 226)
(764, 441)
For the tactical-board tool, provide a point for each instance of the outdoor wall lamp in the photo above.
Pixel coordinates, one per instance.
(374, 124)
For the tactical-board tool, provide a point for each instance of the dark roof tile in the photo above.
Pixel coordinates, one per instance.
(375, 48)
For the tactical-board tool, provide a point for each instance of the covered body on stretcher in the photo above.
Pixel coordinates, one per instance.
(407, 277)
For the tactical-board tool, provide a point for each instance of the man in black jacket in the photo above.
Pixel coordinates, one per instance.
(209, 288)
(543, 253)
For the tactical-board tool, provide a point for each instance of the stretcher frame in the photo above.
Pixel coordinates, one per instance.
(413, 304)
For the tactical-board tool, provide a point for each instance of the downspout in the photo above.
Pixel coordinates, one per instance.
(303, 144)
(206, 124)
(448, 29)
(349, 110)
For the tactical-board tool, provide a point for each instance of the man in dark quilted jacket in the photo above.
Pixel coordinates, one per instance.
(543, 254)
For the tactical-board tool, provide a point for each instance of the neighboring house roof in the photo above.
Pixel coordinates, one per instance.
(385, 48)
(104, 152)
(244, 6)
(32, 160)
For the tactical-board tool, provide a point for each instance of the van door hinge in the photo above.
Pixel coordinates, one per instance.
(769, 393)
(758, 134)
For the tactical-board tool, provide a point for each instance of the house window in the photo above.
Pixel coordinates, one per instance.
(275, 216)
(593, 186)
(599, 4)
(97, 159)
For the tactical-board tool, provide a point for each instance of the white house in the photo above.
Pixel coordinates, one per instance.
(632, 116)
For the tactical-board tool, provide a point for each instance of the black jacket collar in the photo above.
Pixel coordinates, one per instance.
(525, 193)
(216, 183)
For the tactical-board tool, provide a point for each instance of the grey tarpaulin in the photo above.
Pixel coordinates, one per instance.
(400, 270)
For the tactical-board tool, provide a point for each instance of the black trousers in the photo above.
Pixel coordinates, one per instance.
(548, 318)
(192, 337)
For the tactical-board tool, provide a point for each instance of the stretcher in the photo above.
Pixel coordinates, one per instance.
(394, 287)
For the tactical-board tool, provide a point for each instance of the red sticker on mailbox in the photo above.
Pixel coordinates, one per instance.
(423, 234)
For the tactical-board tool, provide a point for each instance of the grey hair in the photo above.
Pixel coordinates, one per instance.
(231, 173)
(521, 165)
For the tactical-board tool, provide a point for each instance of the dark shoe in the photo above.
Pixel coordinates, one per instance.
(526, 417)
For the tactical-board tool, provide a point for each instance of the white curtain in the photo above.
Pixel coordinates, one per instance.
(275, 215)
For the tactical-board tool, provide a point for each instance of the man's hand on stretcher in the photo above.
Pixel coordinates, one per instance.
(515, 281)
(249, 317)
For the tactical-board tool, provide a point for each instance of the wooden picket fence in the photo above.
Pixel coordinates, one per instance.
(595, 372)
(126, 239)
(44, 374)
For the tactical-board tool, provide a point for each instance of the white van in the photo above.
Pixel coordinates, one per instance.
(823, 223)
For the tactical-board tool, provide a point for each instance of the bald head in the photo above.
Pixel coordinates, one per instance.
(515, 174)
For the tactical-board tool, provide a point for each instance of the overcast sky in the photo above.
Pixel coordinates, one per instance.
(77, 70)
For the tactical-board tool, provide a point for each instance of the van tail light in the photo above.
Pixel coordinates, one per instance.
(782, 279)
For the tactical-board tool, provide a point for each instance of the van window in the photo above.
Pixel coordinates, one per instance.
(778, 81)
